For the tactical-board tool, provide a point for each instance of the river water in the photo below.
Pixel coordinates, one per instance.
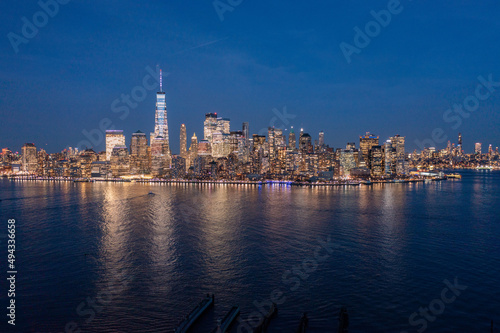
(109, 257)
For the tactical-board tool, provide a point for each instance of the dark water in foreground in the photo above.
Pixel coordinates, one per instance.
(151, 258)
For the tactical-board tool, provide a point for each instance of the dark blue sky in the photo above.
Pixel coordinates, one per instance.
(264, 55)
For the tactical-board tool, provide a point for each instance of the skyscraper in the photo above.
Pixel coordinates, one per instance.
(160, 144)
(292, 142)
(161, 125)
(223, 125)
(321, 141)
(113, 138)
(139, 161)
(305, 143)
(183, 139)
(460, 149)
(178, 167)
(120, 161)
(347, 162)
(376, 166)
(478, 148)
(398, 144)
(209, 126)
(139, 145)
(271, 139)
(160, 156)
(29, 158)
(244, 144)
(389, 154)
(246, 131)
(365, 144)
(193, 148)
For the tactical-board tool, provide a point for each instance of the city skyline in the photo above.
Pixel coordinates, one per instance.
(160, 128)
(213, 123)
(320, 137)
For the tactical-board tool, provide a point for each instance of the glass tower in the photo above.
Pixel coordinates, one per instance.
(161, 126)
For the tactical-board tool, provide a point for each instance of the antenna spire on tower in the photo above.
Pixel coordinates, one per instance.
(161, 81)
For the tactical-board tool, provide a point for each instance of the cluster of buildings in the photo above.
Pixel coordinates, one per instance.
(454, 157)
(223, 153)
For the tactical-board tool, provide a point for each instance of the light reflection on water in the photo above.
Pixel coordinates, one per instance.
(157, 255)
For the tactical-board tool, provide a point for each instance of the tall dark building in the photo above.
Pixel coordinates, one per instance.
(460, 147)
(139, 160)
(321, 140)
(246, 131)
(183, 139)
(305, 143)
(139, 145)
(292, 141)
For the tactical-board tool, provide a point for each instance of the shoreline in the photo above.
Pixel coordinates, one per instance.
(227, 182)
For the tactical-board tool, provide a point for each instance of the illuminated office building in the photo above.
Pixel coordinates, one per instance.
(365, 145)
(234, 142)
(29, 157)
(305, 143)
(139, 145)
(460, 149)
(113, 138)
(398, 144)
(376, 166)
(246, 131)
(292, 142)
(160, 144)
(161, 124)
(275, 140)
(347, 162)
(85, 160)
(209, 126)
(321, 140)
(478, 148)
(220, 144)
(178, 167)
(389, 159)
(204, 148)
(120, 162)
(193, 148)
(160, 156)
(311, 164)
(223, 125)
(139, 160)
